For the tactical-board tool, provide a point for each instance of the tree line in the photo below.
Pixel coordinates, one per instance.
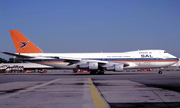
(11, 60)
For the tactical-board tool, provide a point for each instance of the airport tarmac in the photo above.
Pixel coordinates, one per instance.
(76, 90)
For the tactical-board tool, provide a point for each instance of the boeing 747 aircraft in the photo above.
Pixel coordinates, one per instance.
(96, 63)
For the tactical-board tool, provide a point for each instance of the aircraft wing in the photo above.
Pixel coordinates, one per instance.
(67, 58)
(80, 61)
(75, 60)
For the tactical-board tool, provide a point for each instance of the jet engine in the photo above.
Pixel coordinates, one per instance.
(116, 68)
(90, 66)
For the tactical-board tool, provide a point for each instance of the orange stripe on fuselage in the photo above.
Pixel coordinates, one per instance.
(143, 61)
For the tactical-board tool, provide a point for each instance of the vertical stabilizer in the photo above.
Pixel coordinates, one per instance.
(23, 44)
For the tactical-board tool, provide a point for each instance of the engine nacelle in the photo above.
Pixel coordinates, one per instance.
(90, 66)
(84, 66)
(116, 68)
(93, 65)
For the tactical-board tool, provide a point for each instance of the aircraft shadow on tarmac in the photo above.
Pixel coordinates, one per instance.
(78, 74)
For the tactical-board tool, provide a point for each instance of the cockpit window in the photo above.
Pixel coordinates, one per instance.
(165, 51)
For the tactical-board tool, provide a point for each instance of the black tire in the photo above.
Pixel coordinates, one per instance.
(101, 72)
(93, 72)
(160, 72)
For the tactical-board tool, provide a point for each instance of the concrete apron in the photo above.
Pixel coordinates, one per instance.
(58, 93)
(76, 93)
(125, 93)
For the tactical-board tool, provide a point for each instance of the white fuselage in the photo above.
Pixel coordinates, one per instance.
(135, 59)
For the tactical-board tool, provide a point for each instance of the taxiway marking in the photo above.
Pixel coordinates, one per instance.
(28, 89)
(97, 99)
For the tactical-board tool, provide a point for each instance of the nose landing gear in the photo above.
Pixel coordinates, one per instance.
(160, 70)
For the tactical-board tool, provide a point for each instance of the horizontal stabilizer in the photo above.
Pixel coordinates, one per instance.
(17, 55)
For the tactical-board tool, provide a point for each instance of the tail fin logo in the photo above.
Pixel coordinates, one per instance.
(24, 44)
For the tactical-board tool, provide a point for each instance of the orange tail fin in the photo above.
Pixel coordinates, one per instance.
(23, 44)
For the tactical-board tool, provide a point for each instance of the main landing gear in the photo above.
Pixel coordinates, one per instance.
(94, 72)
(101, 72)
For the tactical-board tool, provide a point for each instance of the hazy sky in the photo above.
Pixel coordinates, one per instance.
(92, 25)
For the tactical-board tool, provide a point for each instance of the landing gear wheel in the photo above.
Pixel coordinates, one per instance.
(101, 72)
(160, 72)
(93, 72)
